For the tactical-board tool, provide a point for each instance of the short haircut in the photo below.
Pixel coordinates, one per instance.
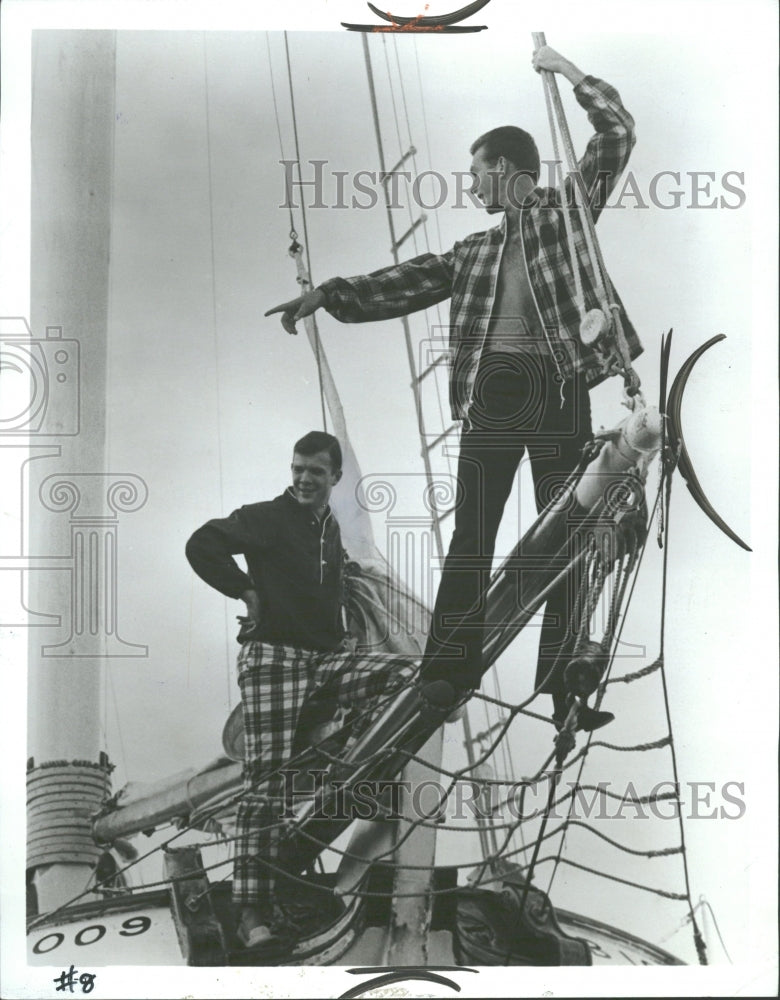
(514, 144)
(316, 441)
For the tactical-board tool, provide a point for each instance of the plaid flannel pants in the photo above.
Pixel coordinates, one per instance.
(276, 682)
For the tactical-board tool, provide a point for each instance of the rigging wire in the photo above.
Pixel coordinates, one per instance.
(391, 89)
(122, 751)
(215, 341)
(439, 395)
(288, 188)
(108, 691)
(293, 235)
(427, 135)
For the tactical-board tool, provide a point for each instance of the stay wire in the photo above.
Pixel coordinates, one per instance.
(215, 338)
(443, 420)
(317, 342)
(288, 191)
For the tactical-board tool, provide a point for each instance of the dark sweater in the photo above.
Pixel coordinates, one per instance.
(294, 563)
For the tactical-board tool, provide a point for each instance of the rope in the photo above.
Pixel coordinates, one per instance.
(701, 948)
(604, 290)
(636, 565)
(288, 190)
(304, 276)
(579, 295)
(636, 675)
(397, 123)
(614, 878)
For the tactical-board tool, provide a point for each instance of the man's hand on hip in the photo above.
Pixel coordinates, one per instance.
(296, 309)
(252, 601)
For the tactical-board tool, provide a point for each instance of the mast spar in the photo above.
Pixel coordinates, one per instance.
(72, 148)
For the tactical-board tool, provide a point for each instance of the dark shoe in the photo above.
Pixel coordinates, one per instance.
(588, 719)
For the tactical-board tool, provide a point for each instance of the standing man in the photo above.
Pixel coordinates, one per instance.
(520, 373)
(292, 647)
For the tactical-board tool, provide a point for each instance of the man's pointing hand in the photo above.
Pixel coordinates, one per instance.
(296, 309)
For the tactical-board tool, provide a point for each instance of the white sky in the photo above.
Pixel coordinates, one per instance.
(206, 397)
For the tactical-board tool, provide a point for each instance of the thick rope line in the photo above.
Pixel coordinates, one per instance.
(556, 777)
(604, 290)
(661, 852)
(579, 295)
(575, 787)
(615, 878)
(701, 948)
(628, 799)
(636, 675)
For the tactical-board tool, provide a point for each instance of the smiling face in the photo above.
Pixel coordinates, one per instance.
(313, 479)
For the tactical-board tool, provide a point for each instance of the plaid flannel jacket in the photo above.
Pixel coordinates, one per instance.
(468, 273)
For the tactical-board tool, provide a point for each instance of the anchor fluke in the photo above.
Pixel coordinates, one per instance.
(677, 443)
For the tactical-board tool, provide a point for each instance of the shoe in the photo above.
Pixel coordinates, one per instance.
(258, 930)
(588, 719)
(255, 936)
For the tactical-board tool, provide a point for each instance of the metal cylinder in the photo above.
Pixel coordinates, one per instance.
(62, 798)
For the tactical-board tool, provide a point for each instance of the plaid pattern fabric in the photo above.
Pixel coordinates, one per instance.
(275, 683)
(467, 274)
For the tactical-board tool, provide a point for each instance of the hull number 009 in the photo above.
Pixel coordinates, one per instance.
(91, 934)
